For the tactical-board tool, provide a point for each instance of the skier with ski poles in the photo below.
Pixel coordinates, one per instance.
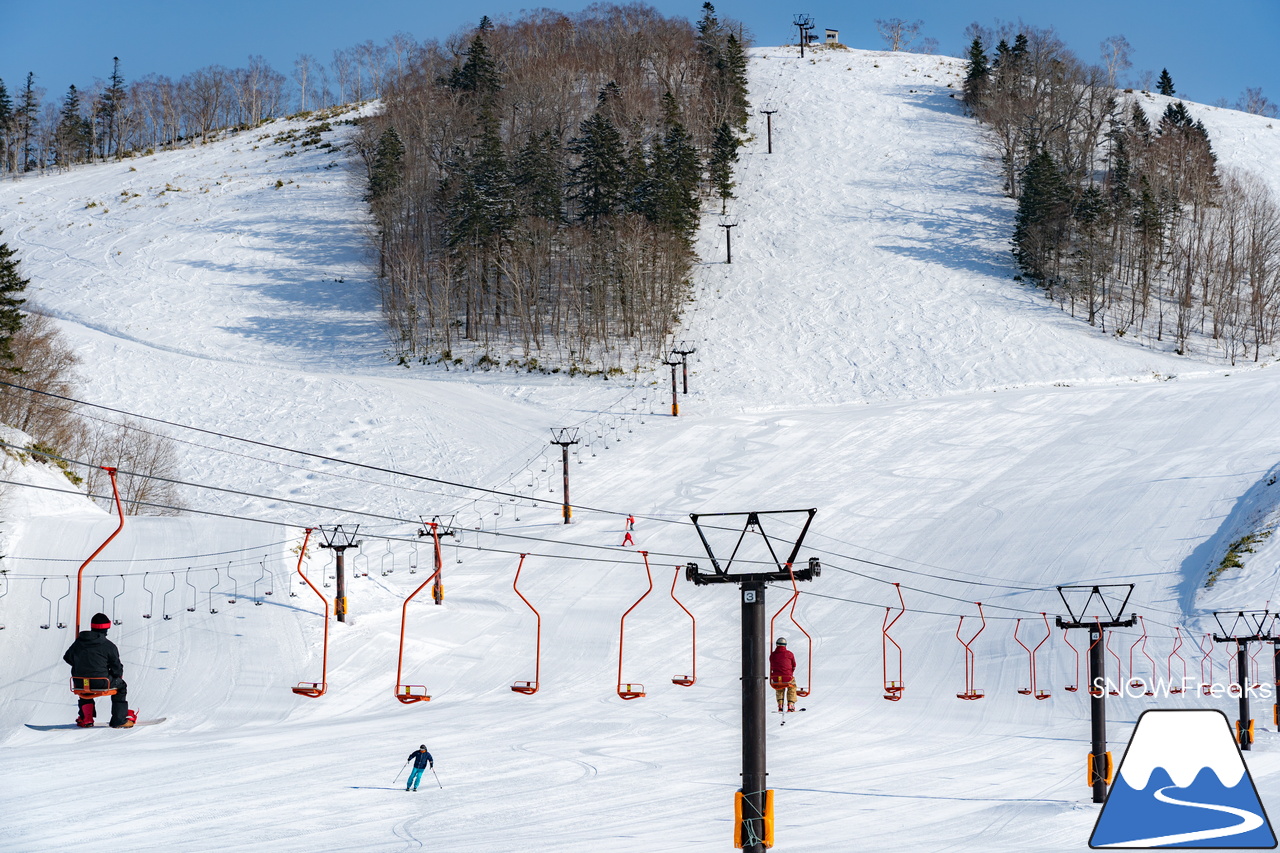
(95, 662)
(421, 760)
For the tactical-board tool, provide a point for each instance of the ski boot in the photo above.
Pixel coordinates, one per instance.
(84, 721)
(130, 721)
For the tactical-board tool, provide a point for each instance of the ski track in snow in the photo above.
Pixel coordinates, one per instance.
(866, 354)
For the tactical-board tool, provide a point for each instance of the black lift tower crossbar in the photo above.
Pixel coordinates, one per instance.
(782, 568)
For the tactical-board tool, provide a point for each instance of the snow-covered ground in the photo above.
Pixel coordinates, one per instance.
(866, 354)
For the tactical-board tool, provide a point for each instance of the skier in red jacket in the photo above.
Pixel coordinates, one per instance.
(782, 674)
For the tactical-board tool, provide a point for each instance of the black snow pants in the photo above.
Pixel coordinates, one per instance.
(119, 704)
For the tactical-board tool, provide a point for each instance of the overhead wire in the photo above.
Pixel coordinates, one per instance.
(278, 462)
(492, 492)
(614, 561)
(490, 549)
(149, 559)
(1007, 585)
(310, 454)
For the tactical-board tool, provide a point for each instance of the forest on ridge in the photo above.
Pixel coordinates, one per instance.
(1126, 218)
(535, 188)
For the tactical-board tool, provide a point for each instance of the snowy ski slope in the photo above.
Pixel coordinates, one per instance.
(866, 354)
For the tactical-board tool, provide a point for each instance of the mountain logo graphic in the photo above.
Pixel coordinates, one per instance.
(1183, 783)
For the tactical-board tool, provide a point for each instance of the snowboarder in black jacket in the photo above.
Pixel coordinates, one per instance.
(421, 759)
(93, 656)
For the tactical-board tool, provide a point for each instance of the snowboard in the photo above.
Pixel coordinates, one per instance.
(154, 722)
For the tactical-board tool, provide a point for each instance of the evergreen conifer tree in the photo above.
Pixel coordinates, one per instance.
(385, 177)
(977, 73)
(724, 153)
(724, 70)
(479, 74)
(638, 180)
(26, 116)
(1089, 208)
(1176, 115)
(675, 172)
(1120, 175)
(1042, 221)
(6, 123)
(387, 173)
(598, 182)
(710, 36)
(483, 211)
(11, 285)
(536, 175)
(110, 111)
(735, 63)
(1091, 255)
(73, 134)
(1165, 84)
(1141, 124)
(1002, 54)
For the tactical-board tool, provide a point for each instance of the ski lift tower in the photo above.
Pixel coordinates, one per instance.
(1096, 608)
(754, 813)
(437, 530)
(803, 23)
(565, 437)
(673, 362)
(338, 540)
(1247, 626)
(684, 349)
(728, 223)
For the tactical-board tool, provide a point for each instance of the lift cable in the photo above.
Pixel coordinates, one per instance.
(300, 526)
(1005, 584)
(1010, 585)
(366, 466)
(183, 557)
(264, 460)
(492, 533)
(394, 472)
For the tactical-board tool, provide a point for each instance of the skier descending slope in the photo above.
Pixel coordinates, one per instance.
(782, 674)
(421, 760)
(93, 656)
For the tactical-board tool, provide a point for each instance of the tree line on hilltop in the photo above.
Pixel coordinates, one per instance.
(535, 185)
(1125, 216)
(115, 118)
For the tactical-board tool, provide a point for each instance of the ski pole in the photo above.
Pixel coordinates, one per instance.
(433, 773)
(402, 767)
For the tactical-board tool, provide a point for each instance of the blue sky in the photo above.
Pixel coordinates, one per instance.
(1213, 49)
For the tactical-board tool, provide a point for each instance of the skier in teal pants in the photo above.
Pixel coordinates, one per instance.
(421, 761)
